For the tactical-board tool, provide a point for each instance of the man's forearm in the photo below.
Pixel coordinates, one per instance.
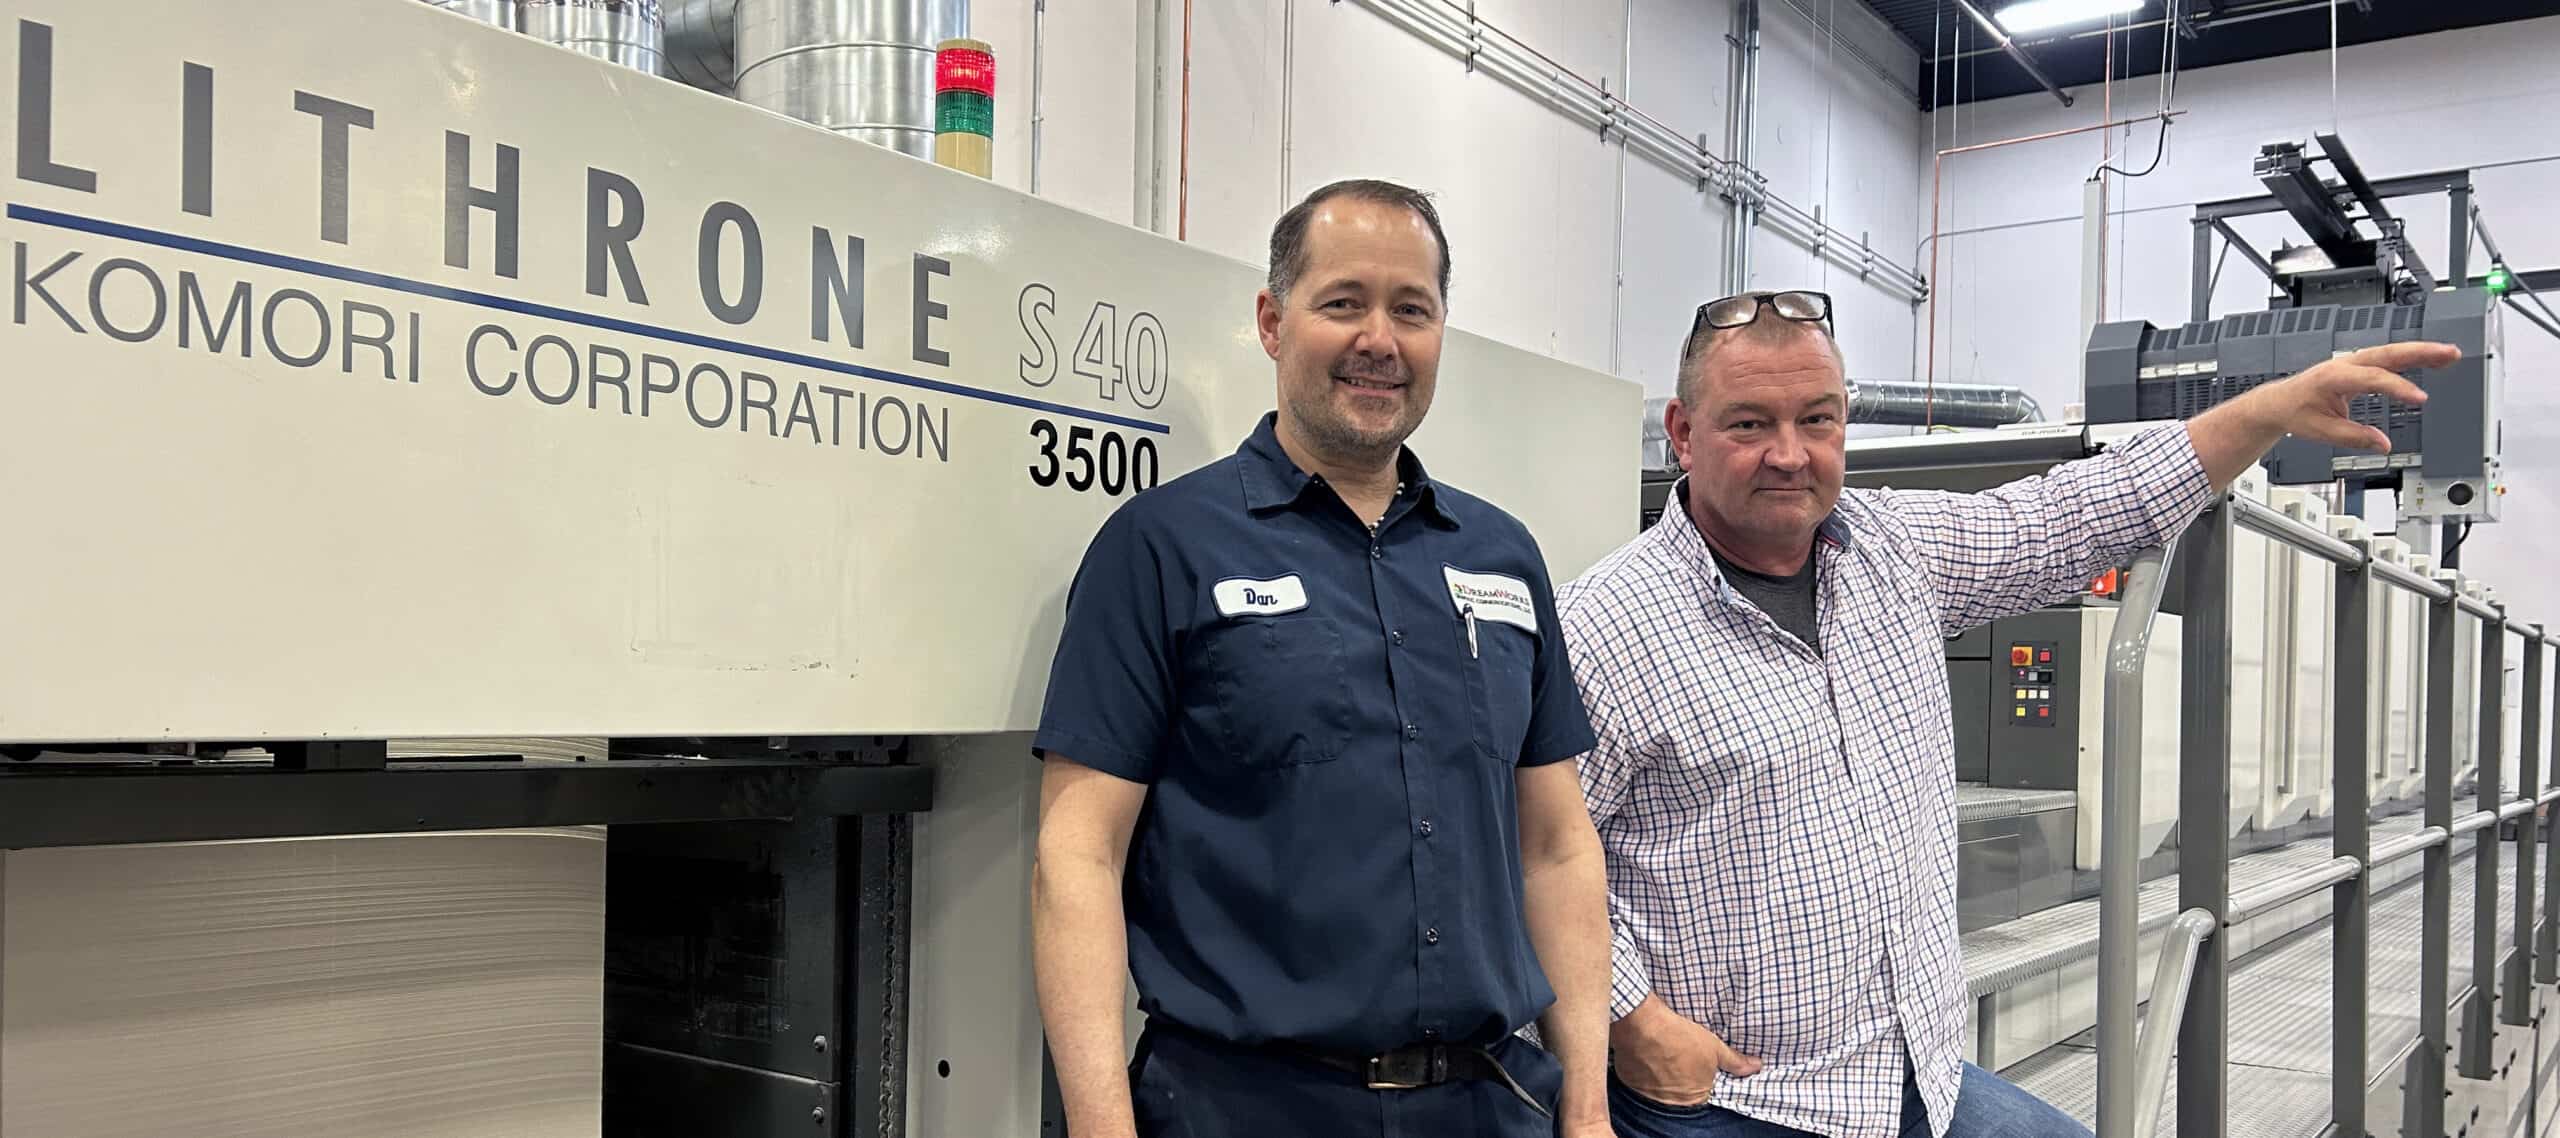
(1568, 911)
(2234, 434)
(1080, 958)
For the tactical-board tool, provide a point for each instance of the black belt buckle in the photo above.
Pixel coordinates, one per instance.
(1409, 1069)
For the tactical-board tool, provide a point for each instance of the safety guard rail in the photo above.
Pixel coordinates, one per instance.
(2189, 998)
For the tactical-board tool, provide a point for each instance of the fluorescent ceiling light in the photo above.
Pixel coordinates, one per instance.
(2045, 15)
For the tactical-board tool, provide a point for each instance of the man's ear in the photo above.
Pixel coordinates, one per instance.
(1266, 320)
(1675, 423)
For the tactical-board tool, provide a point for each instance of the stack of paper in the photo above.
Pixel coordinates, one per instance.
(411, 986)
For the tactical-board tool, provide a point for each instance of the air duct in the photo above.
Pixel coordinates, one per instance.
(1904, 404)
(631, 33)
(496, 13)
(862, 68)
(701, 40)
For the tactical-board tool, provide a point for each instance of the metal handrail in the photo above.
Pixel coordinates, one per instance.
(2402, 577)
(2477, 607)
(2120, 834)
(2516, 809)
(2291, 887)
(2177, 971)
(2406, 845)
(2478, 819)
(2270, 522)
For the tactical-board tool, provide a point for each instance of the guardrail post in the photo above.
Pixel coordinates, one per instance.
(2546, 967)
(2119, 842)
(2204, 803)
(2479, 1014)
(2426, 1087)
(2350, 968)
(2517, 983)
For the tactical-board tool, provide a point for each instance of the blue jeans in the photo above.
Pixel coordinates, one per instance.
(1987, 1106)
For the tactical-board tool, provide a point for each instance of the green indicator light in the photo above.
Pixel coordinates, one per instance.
(2500, 280)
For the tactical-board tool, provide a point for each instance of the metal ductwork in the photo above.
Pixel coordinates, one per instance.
(496, 13)
(701, 44)
(1904, 404)
(862, 68)
(631, 33)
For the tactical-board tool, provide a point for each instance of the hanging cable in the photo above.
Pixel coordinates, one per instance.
(2158, 148)
(2168, 91)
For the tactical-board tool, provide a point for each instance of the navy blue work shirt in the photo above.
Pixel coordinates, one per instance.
(1329, 721)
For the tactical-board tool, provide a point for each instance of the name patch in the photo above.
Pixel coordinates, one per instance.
(1237, 596)
(1496, 597)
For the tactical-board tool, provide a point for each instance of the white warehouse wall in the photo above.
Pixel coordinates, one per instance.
(1289, 94)
(2483, 98)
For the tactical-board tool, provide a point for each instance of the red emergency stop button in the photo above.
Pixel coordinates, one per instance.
(2020, 656)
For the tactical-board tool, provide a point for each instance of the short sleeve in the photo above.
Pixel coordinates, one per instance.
(1110, 697)
(1559, 728)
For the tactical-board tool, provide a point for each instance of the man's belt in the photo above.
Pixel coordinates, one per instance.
(1418, 1066)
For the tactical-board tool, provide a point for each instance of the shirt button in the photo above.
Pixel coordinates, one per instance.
(1412, 732)
(1424, 827)
(1396, 637)
(1431, 1033)
(1376, 553)
(1430, 936)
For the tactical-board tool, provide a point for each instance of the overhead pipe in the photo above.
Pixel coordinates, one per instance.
(702, 37)
(1039, 60)
(631, 33)
(1906, 404)
(1182, 198)
(1737, 274)
(495, 13)
(860, 68)
(2019, 54)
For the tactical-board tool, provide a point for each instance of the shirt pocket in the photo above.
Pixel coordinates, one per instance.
(1499, 661)
(1281, 688)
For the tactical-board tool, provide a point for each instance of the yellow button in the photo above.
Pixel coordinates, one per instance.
(2018, 693)
(2022, 712)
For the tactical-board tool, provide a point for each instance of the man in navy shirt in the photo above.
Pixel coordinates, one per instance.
(1304, 772)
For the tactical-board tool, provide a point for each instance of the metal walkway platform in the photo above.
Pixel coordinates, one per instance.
(1999, 956)
(1975, 802)
(2280, 1011)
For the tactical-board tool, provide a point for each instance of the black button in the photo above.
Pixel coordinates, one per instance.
(1396, 637)
(1430, 936)
(1424, 827)
(1412, 732)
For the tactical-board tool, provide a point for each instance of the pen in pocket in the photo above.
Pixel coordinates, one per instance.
(1469, 612)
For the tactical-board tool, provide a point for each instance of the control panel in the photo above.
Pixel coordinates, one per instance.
(2030, 680)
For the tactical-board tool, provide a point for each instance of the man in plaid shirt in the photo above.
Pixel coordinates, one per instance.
(1774, 780)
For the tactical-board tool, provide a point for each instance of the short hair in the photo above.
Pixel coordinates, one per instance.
(1289, 234)
(1698, 349)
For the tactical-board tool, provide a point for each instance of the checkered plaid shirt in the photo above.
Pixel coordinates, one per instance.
(1781, 826)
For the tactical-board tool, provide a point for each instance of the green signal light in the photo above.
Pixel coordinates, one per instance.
(2500, 280)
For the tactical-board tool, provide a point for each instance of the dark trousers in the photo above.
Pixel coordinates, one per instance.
(1186, 1086)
